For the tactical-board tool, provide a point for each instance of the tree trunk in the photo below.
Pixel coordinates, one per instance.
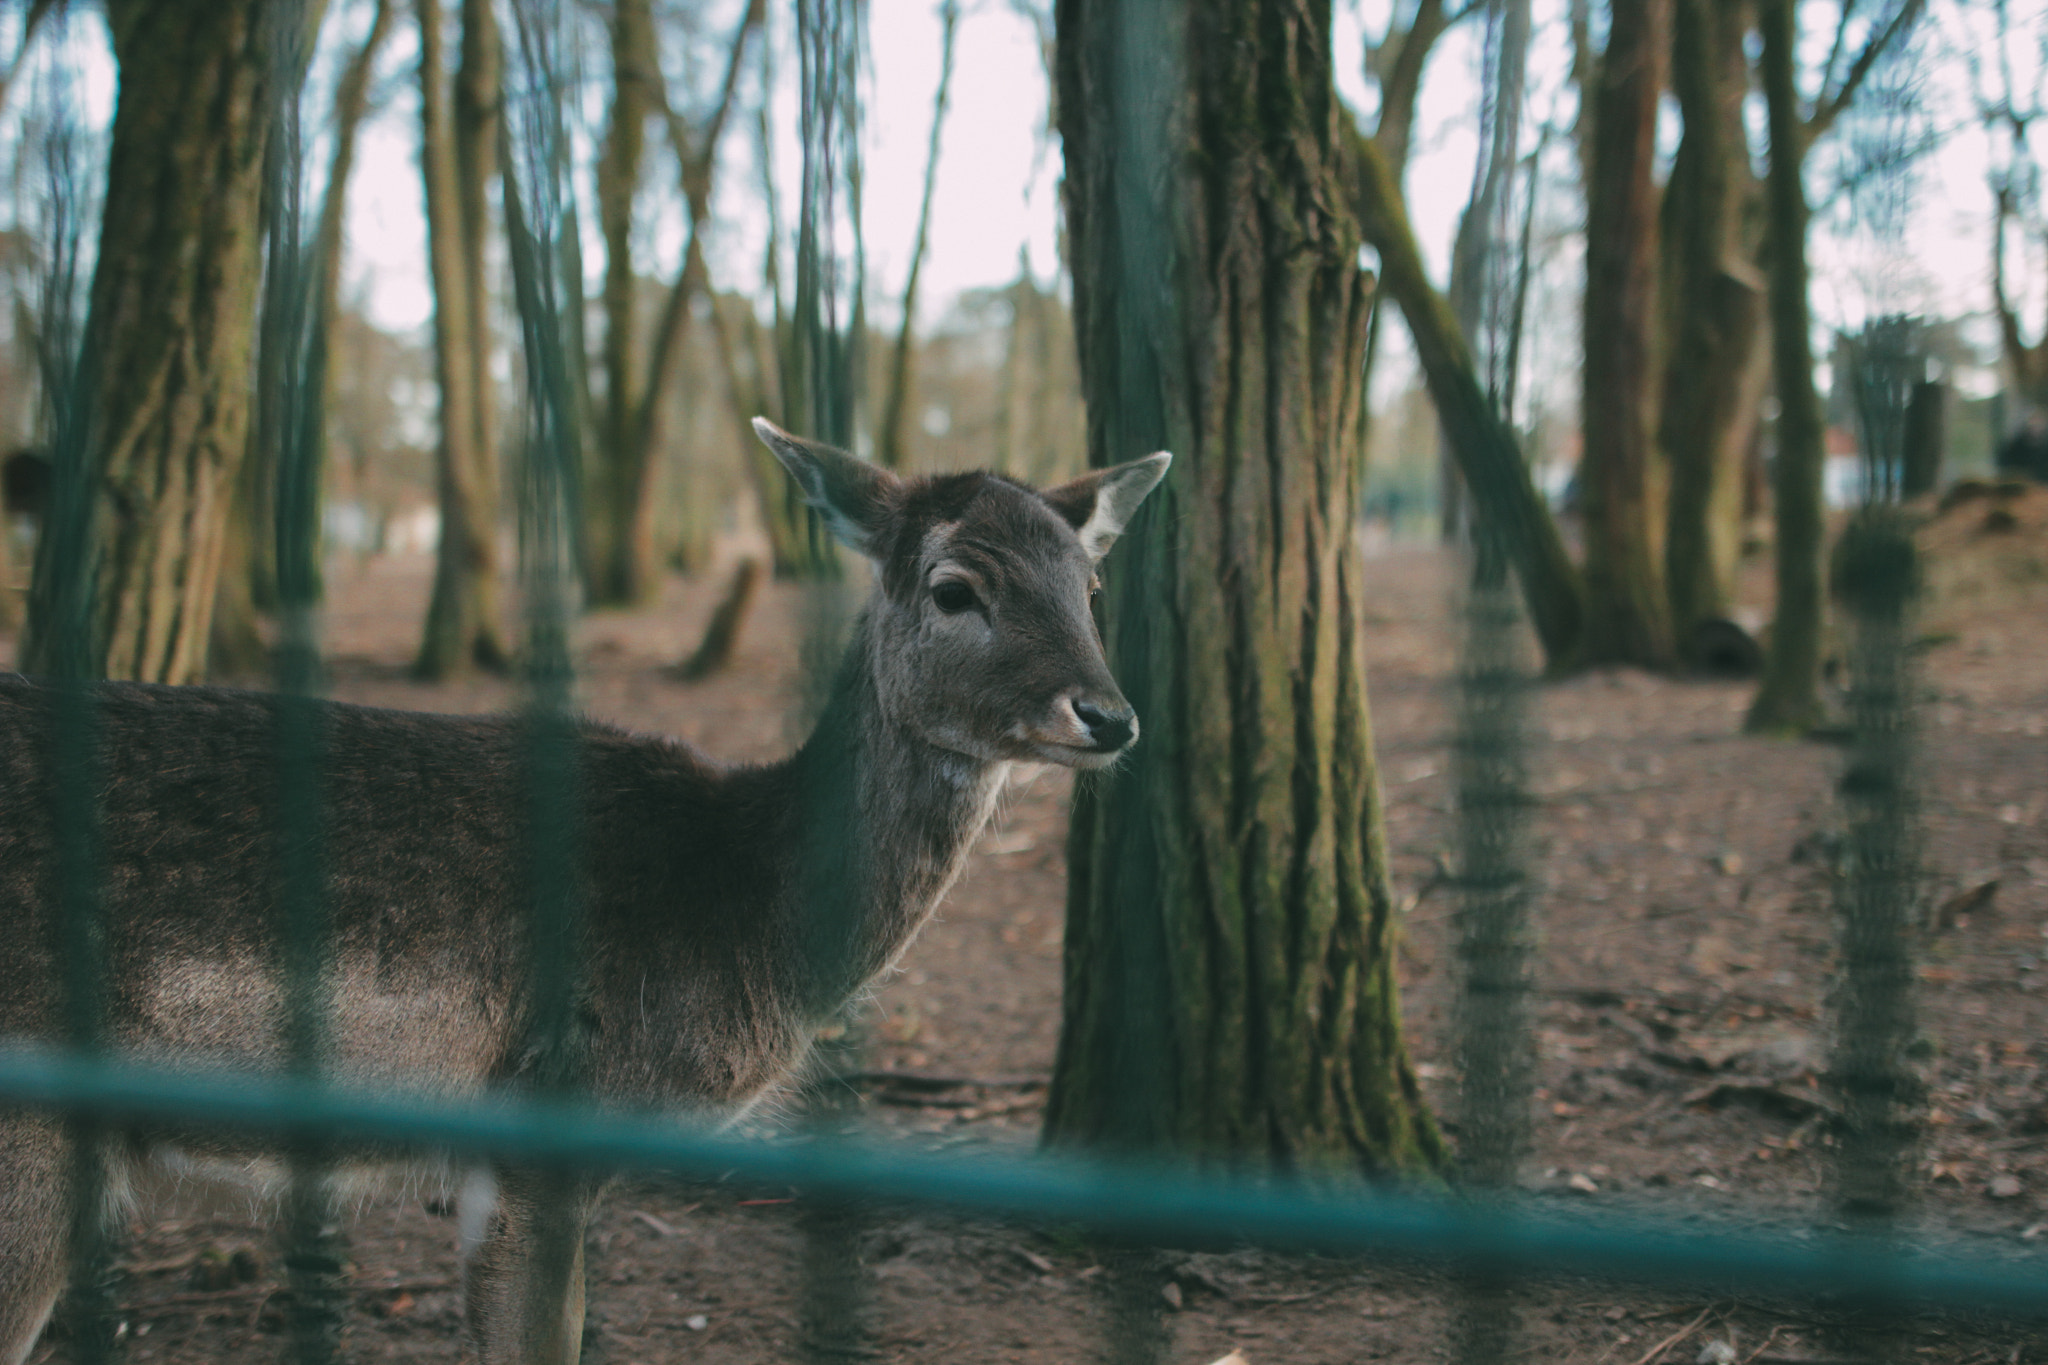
(1621, 488)
(1502, 492)
(479, 95)
(1229, 964)
(173, 316)
(1789, 699)
(463, 628)
(238, 646)
(1475, 283)
(1714, 363)
(616, 486)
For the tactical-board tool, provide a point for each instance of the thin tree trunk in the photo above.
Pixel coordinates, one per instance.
(623, 558)
(1789, 699)
(463, 628)
(173, 317)
(1715, 366)
(479, 94)
(238, 646)
(889, 447)
(1474, 280)
(1503, 493)
(1229, 965)
(1627, 614)
(616, 485)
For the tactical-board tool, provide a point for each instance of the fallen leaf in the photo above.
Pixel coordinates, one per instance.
(2004, 1187)
(660, 1226)
(696, 1322)
(1582, 1183)
(1171, 1293)
(1234, 1358)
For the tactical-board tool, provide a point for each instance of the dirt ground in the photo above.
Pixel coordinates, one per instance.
(1686, 944)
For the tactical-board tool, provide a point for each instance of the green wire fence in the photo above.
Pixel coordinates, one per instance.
(1486, 1237)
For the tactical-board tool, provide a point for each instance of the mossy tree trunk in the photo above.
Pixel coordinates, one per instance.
(1621, 481)
(1229, 961)
(1714, 362)
(1789, 698)
(172, 325)
(464, 627)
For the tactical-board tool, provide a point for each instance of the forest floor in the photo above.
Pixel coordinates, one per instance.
(1686, 946)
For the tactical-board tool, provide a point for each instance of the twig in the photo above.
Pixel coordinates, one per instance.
(1680, 1335)
(924, 1080)
(1758, 1354)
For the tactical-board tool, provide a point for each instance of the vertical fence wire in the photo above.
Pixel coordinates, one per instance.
(540, 231)
(1877, 898)
(61, 619)
(292, 340)
(1144, 65)
(829, 322)
(1492, 1045)
(1875, 579)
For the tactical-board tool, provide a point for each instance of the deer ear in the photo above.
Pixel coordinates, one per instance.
(851, 495)
(1099, 505)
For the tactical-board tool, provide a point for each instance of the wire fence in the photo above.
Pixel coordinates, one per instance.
(1482, 1234)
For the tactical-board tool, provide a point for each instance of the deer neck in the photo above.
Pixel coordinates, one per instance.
(885, 821)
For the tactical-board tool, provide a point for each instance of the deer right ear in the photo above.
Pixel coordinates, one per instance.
(851, 495)
(1099, 505)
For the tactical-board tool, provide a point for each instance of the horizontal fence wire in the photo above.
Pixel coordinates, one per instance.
(1153, 1204)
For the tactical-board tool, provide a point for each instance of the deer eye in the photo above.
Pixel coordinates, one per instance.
(950, 595)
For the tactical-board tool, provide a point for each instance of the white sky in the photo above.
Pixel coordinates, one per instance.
(998, 178)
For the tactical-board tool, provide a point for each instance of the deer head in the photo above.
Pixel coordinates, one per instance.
(980, 637)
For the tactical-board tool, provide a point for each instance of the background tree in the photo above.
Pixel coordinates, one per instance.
(172, 319)
(1620, 482)
(1489, 456)
(1789, 697)
(464, 627)
(1476, 285)
(622, 553)
(1712, 305)
(248, 578)
(2010, 105)
(1229, 963)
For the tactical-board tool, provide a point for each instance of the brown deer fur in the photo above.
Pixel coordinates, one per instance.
(727, 910)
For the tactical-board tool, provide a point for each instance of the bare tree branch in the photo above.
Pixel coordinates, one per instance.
(1830, 107)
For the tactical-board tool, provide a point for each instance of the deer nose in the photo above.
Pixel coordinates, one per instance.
(1111, 728)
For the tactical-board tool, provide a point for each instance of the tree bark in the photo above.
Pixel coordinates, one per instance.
(463, 627)
(1229, 964)
(1621, 485)
(615, 489)
(1789, 698)
(1713, 305)
(173, 316)
(1502, 492)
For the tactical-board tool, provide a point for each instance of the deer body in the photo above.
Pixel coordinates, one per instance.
(727, 911)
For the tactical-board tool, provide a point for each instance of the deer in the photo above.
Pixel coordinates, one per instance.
(728, 911)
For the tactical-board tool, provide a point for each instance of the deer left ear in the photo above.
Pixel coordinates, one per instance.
(851, 495)
(1099, 505)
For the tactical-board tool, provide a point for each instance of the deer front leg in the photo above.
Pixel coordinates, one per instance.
(523, 1283)
(35, 1228)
